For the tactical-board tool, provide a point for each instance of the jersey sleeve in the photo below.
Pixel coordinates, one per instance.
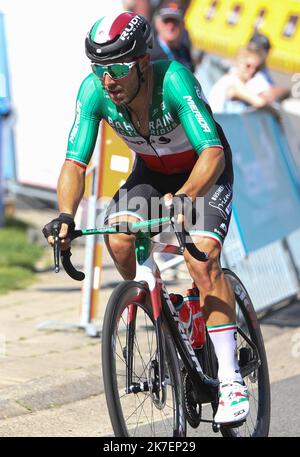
(84, 132)
(187, 102)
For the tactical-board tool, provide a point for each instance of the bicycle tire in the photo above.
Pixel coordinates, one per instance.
(114, 359)
(253, 426)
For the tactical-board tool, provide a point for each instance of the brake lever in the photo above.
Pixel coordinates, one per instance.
(66, 258)
(57, 252)
(185, 240)
(56, 246)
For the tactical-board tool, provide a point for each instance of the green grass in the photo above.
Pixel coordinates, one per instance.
(17, 256)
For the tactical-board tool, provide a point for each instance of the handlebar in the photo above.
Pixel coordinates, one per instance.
(66, 255)
(69, 267)
(184, 239)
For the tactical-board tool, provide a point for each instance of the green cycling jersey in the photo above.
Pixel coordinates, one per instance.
(181, 124)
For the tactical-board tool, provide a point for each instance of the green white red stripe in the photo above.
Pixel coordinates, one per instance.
(207, 234)
(109, 27)
(221, 328)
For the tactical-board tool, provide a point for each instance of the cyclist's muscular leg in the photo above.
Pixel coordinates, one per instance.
(121, 249)
(217, 298)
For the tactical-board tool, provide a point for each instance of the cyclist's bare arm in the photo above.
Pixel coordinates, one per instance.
(275, 93)
(70, 187)
(70, 191)
(187, 103)
(208, 168)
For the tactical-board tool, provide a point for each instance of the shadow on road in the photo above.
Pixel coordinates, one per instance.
(286, 316)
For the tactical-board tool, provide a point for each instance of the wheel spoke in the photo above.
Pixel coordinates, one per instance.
(153, 411)
(257, 421)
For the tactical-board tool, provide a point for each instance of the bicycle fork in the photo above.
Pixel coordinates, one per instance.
(146, 271)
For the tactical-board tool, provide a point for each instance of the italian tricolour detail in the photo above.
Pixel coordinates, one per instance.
(109, 27)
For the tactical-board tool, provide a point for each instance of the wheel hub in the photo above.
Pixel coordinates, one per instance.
(158, 394)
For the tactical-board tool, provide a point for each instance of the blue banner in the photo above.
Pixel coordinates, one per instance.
(4, 80)
(7, 150)
(4, 112)
(267, 186)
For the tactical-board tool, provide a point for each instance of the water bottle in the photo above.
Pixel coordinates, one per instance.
(184, 311)
(177, 301)
(192, 300)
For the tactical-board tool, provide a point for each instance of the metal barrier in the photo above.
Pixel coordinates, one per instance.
(266, 187)
(271, 273)
(269, 166)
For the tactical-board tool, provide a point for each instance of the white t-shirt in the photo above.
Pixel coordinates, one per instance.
(218, 100)
(258, 83)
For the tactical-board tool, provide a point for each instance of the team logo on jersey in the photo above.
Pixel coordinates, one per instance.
(204, 125)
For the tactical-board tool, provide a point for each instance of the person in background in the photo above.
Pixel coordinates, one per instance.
(234, 92)
(212, 68)
(275, 93)
(261, 41)
(171, 39)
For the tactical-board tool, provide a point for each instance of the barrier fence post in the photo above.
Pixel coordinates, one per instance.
(5, 109)
(111, 168)
(93, 252)
(1, 178)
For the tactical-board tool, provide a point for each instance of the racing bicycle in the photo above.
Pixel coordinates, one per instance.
(155, 382)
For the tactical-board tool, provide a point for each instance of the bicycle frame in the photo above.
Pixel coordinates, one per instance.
(147, 271)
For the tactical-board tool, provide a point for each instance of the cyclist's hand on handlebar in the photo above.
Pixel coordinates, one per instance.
(65, 223)
(183, 207)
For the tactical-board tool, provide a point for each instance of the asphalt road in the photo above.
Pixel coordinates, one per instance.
(285, 414)
(285, 417)
(51, 381)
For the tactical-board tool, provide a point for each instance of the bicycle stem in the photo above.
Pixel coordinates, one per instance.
(142, 247)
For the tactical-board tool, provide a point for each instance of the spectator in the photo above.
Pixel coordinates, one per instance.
(171, 40)
(261, 41)
(274, 92)
(212, 68)
(235, 91)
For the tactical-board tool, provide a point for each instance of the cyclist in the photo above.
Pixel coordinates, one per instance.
(160, 112)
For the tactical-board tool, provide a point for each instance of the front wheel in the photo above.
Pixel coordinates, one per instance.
(130, 359)
(253, 364)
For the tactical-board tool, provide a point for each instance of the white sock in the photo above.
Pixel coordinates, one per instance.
(224, 341)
